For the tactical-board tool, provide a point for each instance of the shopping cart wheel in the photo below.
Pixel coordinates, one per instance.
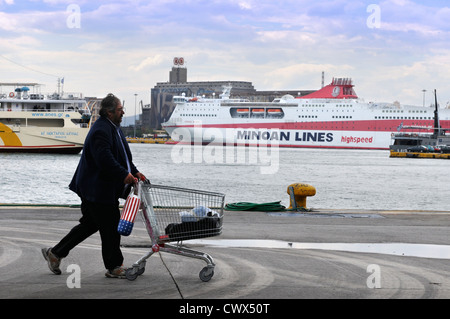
(206, 274)
(131, 274)
(135, 271)
(141, 271)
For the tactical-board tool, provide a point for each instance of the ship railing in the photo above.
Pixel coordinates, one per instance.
(410, 135)
(72, 96)
(42, 109)
(42, 97)
(66, 110)
(64, 96)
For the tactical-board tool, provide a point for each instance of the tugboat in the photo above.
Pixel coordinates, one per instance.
(416, 144)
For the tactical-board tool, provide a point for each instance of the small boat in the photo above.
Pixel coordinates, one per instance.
(418, 141)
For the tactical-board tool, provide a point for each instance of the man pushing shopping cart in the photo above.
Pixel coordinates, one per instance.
(105, 169)
(170, 214)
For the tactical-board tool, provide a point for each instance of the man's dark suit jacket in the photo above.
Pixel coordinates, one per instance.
(103, 167)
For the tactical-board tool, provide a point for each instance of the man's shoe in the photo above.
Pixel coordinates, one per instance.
(52, 260)
(118, 272)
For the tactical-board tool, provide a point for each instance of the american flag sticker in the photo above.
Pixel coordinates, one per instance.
(130, 208)
(128, 215)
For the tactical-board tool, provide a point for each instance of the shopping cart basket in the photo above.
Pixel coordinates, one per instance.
(173, 214)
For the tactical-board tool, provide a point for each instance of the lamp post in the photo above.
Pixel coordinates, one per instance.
(424, 91)
(135, 102)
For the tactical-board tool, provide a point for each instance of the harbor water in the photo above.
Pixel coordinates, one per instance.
(344, 179)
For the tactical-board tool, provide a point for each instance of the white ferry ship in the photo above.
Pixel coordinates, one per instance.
(332, 117)
(34, 122)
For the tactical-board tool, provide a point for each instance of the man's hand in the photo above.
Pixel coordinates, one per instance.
(130, 179)
(141, 177)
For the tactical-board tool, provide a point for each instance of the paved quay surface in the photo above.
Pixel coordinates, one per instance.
(258, 256)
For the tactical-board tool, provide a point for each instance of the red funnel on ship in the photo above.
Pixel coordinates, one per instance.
(340, 88)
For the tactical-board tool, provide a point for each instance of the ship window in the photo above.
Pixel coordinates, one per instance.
(46, 122)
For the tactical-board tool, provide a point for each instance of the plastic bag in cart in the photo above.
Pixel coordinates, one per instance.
(196, 214)
(129, 212)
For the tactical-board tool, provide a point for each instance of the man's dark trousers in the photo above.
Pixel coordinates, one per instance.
(96, 217)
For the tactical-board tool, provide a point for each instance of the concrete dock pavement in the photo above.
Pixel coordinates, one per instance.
(323, 254)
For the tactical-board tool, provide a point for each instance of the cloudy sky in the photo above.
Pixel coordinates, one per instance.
(392, 49)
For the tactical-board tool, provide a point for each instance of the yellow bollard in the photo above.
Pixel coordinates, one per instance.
(298, 193)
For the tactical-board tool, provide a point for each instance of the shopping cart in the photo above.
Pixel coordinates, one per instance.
(173, 214)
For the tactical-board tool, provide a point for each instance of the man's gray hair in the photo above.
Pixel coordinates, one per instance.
(109, 104)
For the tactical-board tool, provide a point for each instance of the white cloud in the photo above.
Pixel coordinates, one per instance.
(8, 23)
(424, 30)
(94, 46)
(13, 44)
(32, 22)
(303, 75)
(148, 62)
(280, 36)
(245, 5)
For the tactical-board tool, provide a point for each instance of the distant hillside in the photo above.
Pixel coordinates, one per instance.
(128, 120)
